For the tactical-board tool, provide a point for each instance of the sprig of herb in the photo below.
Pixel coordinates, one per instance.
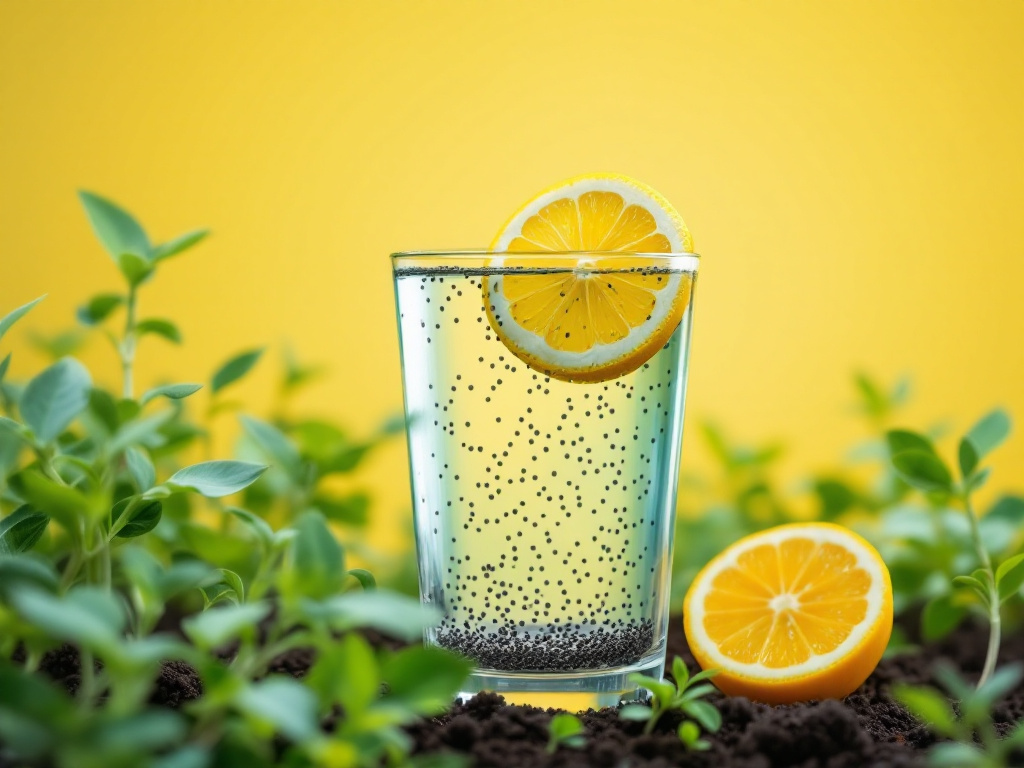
(684, 696)
(919, 464)
(565, 730)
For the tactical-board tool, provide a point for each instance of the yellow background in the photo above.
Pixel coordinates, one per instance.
(853, 174)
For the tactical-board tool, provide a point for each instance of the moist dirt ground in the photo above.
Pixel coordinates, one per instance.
(867, 728)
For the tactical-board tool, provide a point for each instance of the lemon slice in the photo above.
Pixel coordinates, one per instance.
(794, 613)
(600, 315)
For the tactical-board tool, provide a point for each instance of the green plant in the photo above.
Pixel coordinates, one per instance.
(918, 463)
(565, 730)
(102, 543)
(684, 696)
(974, 742)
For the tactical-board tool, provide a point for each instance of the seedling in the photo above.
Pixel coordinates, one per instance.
(974, 742)
(565, 731)
(917, 463)
(684, 696)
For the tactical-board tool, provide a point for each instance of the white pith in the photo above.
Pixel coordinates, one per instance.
(599, 355)
(865, 558)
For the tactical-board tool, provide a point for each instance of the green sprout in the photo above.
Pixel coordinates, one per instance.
(973, 741)
(684, 696)
(565, 730)
(917, 463)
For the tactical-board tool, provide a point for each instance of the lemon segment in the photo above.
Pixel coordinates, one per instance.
(602, 315)
(794, 613)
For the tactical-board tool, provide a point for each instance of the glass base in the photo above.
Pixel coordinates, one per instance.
(575, 691)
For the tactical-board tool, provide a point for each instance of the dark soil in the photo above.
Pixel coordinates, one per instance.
(867, 728)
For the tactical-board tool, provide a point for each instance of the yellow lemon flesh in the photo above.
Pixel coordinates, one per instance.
(793, 613)
(596, 315)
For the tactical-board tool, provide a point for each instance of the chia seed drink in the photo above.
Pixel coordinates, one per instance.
(544, 508)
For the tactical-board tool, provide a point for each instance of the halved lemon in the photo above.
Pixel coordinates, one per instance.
(600, 315)
(793, 613)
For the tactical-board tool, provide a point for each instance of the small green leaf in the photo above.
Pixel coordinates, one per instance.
(234, 369)
(139, 732)
(389, 612)
(141, 469)
(955, 755)
(990, 432)
(968, 458)
(65, 504)
(900, 440)
(929, 706)
(257, 525)
(283, 702)
(115, 228)
(353, 509)
(141, 430)
(217, 626)
(346, 673)
(318, 561)
(99, 308)
(1000, 684)
(26, 570)
(178, 244)
(16, 314)
(276, 445)
(54, 398)
(565, 730)
(142, 518)
(704, 713)
(636, 712)
(170, 391)
(940, 617)
(88, 616)
(234, 581)
(922, 470)
(364, 577)
(4, 365)
(159, 327)
(680, 673)
(663, 692)
(689, 734)
(136, 269)
(424, 678)
(834, 496)
(21, 529)
(1010, 576)
(704, 674)
(182, 576)
(979, 479)
(215, 479)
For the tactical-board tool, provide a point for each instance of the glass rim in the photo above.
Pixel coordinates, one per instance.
(481, 253)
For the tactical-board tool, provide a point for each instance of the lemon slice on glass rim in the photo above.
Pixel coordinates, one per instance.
(603, 301)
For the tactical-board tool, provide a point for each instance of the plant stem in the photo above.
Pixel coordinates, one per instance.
(994, 620)
(128, 347)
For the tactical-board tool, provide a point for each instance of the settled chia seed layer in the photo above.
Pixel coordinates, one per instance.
(565, 648)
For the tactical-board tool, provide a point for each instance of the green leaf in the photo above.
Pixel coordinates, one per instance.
(99, 308)
(234, 582)
(217, 626)
(663, 692)
(257, 525)
(4, 364)
(978, 586)
(182, 576)
(689, 734)
(159, 327)
(54, 398)
(835, 497)
(136, 269)
(234, 369)
(285, 703)
(680, 673)
(704, 674)
(143, 518)
(955, 755)
(65, 504)
(21, 529)
(170, 391)
(178, 244)
(364, 577)
(900, 440)
(990, 432)
(979, 479)
(636, 712)
(115, 228)
(26, 571)
(142, 430)
(88, 616)
(318, 561)
(139, 732)
(353, 509)
(424, 678)
(563, 724)
(189, 756)
(929, 706)
(276, 445)
(389, 612)
(215, 479)
(141, 469)
(922, 470)
(1010, 576)
(16, 314)
(346, 459)
(968, 458)
(1001, 683)
(104, 408)
(704, 713)
(346, 673)
(940, 617)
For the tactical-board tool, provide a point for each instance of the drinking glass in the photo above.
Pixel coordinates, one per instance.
(544, 509)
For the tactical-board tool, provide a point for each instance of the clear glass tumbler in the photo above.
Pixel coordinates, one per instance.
(544, 509)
